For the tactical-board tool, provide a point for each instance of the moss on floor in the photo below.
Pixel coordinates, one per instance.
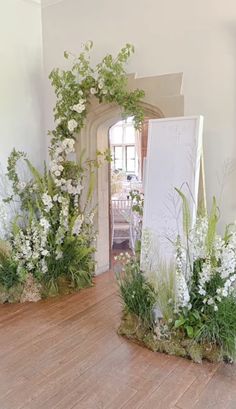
(134, 329)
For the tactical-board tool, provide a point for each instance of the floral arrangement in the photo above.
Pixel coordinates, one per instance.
(190, 305)
(50, 243)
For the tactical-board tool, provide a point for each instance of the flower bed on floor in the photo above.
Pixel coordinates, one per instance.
(187, 308)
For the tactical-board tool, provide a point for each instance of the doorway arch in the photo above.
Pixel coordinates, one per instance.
(163, 98)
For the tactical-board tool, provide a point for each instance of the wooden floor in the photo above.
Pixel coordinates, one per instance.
(64, 353)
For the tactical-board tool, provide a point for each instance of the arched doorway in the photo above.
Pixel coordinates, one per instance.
(162, 99)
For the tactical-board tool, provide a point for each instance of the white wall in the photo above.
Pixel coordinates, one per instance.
(194, 37)
(21, 91)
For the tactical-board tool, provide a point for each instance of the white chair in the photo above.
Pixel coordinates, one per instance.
(121, 221)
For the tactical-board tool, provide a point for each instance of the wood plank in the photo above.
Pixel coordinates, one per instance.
(64, 353)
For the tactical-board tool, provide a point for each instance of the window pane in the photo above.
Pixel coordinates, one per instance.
(130, 159)
(118, 164)
(130, 165)
(118, 152)
(116, 135)
(130, 152)
(129, 134)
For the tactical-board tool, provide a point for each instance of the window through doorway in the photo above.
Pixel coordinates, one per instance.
(128, 148)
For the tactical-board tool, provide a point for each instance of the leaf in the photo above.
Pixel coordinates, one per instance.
(190, 331)
(35, 173)
(212, 223)
(186, 213)
(196, 315)
(180, 322)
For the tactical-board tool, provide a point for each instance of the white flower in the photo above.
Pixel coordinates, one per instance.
(101, 83)
(77, 225)
(93, 91)
(44, 223)
(59, 254)
(47, 201)
(210, 301)
(72, 125)
(202, 291)
(21, 185)
(80, 107)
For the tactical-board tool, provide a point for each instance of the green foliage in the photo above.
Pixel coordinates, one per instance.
(76, 265)
(212, 223)
(186, 213)
(163, 281)
(8, 270)
(137, 293)
(107, 81)
(219, 327)
(189, 323)
(137, 201)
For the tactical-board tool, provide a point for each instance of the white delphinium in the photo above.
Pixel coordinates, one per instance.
(181, 287)
(59, 254)
(205, 276)
(4, 219)
(77, 225)
(30, 247)
(182, 297)
(227, 262)
(72, 125)
(197, 239)
(47, 201)
(44, 223)
(227, 266)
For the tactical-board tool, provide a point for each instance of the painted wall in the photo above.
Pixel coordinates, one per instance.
(21, 91)
(193, 37)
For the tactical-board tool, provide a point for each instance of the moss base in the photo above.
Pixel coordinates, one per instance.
(133, 328)
(32, 291)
